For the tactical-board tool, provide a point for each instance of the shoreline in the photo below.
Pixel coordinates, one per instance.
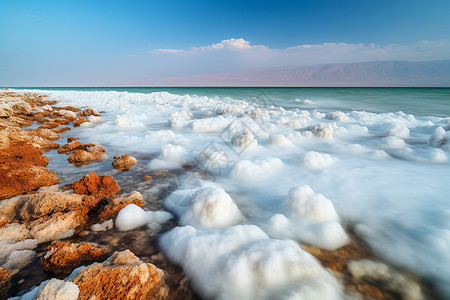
(361, 287)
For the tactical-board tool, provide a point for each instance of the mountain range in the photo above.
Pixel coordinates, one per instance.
(374, 73)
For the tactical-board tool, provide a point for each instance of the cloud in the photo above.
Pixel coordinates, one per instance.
(240, 54)
(247, 55)
(229, 44)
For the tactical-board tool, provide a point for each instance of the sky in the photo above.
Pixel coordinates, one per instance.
(77, 43)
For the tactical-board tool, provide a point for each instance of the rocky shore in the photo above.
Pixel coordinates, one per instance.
(59, 241)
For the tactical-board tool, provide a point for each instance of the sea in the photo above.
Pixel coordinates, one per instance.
(272, 165)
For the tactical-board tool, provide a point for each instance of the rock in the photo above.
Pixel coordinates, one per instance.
(117, 204)
(5, 276)
(124, 162)
(48, 201)
(63, 257)
(89, 112)
(91, 154)
(22, 169)
(122, 276)
(66, 114)
(21, 107)
(5, 110)
(93, 184)
(57, 226)
(79, 121)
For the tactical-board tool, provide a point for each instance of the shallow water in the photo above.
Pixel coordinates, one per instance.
(382, 157)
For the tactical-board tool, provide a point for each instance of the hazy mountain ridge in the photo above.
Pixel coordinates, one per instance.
(375, 73)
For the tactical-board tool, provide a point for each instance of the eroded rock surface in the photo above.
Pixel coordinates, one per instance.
(63, 257)
(122, 276)
(124, 162)
(93, 184)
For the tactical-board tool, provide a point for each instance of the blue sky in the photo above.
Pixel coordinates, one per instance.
(65, 42)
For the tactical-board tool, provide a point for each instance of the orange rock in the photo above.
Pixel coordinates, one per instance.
(79, 121)
(124, 162)
(22, 169)
(147, 177)
(81, 157)
(5, 276)
(117, 204)
(93, 184)
(63, 257)
(48, 201)
(123, 276)
(71, 146)
(89, 112)
(59, 130)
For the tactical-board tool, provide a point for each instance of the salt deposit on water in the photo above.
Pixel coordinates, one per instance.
(286, 173)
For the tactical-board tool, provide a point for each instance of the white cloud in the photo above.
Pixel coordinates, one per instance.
(230, 44)
(239, 54)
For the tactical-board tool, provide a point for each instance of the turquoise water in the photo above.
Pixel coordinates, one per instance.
(416, 101)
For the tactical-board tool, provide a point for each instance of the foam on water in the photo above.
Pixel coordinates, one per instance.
(387, 172)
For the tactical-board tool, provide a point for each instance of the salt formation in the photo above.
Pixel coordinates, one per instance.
(132, 216)
(280, 139)
(310, 218)
(337, 116)
(208, 208)
(322, 130)
(52, 289)
(397, 129)
(244, 139)
(440, 138)
(316, 160)
(241, 262)
(392, 142)
(249, 170)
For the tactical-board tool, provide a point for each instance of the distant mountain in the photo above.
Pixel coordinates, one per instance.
(374, 73)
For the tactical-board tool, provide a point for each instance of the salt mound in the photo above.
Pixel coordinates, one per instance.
(226, 108)
(132, 217)
(208, 208)
(303, 202)
(317, 160)
(310, 218)
(327, 235)
(440, 138)
(279, 139)
(322, 130)
(244, 139)
(241, 262)
(245, 169)
(52, 289)
(392, 142)
(398, 130)
(337, 116)
(183, 114)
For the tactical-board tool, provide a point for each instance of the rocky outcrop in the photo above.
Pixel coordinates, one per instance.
(95, 185)
(22, 169)
(63, 257)
(122, 276)
(124, 162)
(79, 121)
(91, 154)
